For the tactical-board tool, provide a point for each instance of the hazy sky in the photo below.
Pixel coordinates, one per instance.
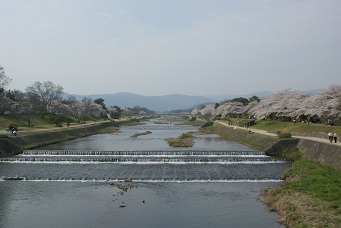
(161, 47)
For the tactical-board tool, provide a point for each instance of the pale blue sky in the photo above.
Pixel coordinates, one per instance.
(159, 47)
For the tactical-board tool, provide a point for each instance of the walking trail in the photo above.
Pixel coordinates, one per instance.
(275, 135)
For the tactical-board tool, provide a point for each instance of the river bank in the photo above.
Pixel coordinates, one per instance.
(309, 195)
(29, 140)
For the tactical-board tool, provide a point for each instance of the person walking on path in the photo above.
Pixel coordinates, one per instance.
(335, 137)
(330, 136)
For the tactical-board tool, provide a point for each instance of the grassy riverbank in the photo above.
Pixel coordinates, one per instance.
(29, 140)
(310, 195)
(41, 135)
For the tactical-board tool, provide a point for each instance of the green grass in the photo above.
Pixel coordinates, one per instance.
(273, 125)
(316, 179)
(21, 121)
(295, 127)
(310, 195)
(208, 130)
(284, 126)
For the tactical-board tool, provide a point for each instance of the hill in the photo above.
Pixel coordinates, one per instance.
(165, 103)
(156, 103)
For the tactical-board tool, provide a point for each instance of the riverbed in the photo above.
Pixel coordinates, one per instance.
(76, 183)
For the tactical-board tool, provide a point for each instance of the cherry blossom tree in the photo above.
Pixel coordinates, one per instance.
(81, 109)
(96, 110)
(283, 104)
(207, 111)
(325, 103)
(251, 105)
(7, 105)
(195, 112)
(232, 109)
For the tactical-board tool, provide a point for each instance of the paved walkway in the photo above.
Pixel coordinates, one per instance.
(66, 127)
(275, 135)
(61, 128)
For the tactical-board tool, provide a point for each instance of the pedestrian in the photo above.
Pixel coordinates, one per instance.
(330, 136)
(335, 137)
(330, 122)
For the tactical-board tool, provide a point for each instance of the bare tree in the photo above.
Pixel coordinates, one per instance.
(43, 95)
(6, 104)
(86, 105)
(4, 80)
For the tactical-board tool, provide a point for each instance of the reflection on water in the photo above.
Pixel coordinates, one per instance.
(213, 184)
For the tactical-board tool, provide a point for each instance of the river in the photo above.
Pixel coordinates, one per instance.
(117, 180)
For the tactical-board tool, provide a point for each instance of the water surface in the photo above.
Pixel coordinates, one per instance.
(213, 184)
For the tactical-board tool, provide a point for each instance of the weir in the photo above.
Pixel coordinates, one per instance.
(145, 153)
(161, 127)
(146, 166)
(142, 157)
(139, 160)
(148, 159)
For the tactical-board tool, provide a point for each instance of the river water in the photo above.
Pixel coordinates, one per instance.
(117, 180)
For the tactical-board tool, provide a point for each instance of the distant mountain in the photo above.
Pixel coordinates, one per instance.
(165, 103)
(156, 103)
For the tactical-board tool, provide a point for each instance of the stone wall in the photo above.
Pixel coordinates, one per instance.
(324, 153)
(7, 148)
(282, 145)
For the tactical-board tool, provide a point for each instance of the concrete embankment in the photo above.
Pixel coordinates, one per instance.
(324, 153)
(15, 144)
(271, 145)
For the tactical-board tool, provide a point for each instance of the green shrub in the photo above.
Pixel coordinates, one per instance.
(284, 135)
(243, 122)
(208, 124)
(193, 118)
(12, 125)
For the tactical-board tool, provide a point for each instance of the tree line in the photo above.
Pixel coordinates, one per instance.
(290, 105)
(46, 98)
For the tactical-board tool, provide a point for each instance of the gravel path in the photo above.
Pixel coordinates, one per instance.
(272, 134)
